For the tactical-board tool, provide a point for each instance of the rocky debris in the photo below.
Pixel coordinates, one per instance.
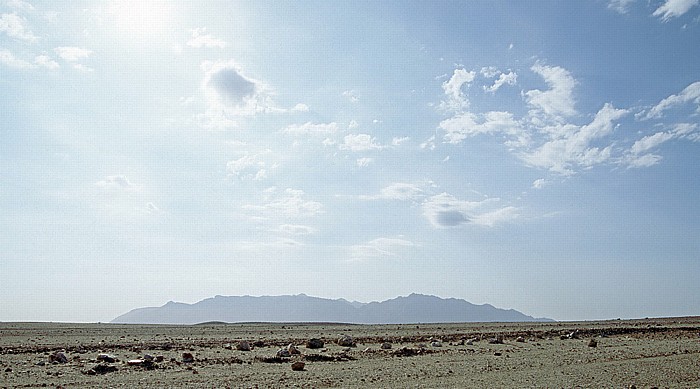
(314, 343)
(292, 349)
(328, 358)
(386, 346)
(259, 343)
(571, 335)
(470, 342)
(409, 352)
(593, 343)
(135, 362)
(228, 346)
(272, 359)
(283, 353)
(346, 341)
(187, 358)
(496, 340)
(436, 344)
(520, 339)
(106, 358)
(298, 366)
(243, 345)
(8, 370)
(498, 353)
(368, 350)
(58, 357)
(102, 368)
(159, 358)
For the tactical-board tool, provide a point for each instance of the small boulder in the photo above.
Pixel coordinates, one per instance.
(292, 350)
(243, 345)
(436, 344)
(283, 353)
(58, 357)
(386, 346)
(314, 343)
(187, 358)
(135, 362)
(101, 368)
(106, 358)
(346, 341)
(520, 339)
(593, 343)
(298, 366)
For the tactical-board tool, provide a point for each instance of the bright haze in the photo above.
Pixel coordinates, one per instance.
(542, 156)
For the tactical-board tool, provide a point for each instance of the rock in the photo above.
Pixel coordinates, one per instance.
(58, 357)
(147, 357)
(187, 358)
(243, 345)
(292, 350)
(593, 343)
(8, 370)
(106, 358)
(259, 343)
(497, 340)
(436, 344)
(314, 343)
(283, 353)
(101, 368)
(367, 350)
(470, 342)
(572, 335)
(346, 341)
(298, 366)
(386, 346)
(497, 353)
(228, 346)
(135, 362)
(159, 358)
(520, 339)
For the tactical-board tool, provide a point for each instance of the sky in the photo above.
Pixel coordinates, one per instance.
(542, 156)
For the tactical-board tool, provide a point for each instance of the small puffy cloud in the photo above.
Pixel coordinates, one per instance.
(351, 95)
(429, 144)
(510, 78)
(674, 8)
(397, 191)
(248, 166)
(290, 204)
(397, 141)
(72, 54)
(353, 125)
(691, 93)
(14, 27)
(200, 39)
(300, 107)
(557, 102)
(364, 162)
(46, 62)
(117, 182)
(446, 211)
(8, 59)
(360, 142)
(489, 71)
(311, 129)
(380, 247)
(539, 183)
(295, 229)
(620, 6)
(457, 100)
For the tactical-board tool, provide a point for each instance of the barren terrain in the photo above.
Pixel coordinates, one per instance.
(663, 353)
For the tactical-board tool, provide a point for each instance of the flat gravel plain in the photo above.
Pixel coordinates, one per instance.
(661, 353)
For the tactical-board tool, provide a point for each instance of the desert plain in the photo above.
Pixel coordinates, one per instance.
(661, 353)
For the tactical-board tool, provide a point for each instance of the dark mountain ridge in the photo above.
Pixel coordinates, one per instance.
(415, 308)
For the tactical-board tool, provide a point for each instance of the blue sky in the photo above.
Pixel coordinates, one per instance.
(541, 156)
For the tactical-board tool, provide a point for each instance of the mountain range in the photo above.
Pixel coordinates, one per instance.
(415, 308)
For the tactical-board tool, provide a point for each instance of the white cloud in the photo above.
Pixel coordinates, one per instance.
(429, 144)
(353, 124)
(351, 95)
(291, 204)
(200, 39)
(690, 93)
(360, 142)
(489, 71)
(649, 142)
(674, 8)
(20, 5)
(309, 128)
(364, 162)
(539, 183)
(620, 6)
(72, 54)
(116, 182)
(457, 100)
(8, 59)
(398, 191)
(380, 247)
(82, 68)
(467, 125)
(446, 211)
(556, 103)
(14, 27)
(510, 78)
(248, 166)
(646, 160)
(397, 141)
(46, 62)
(300, 107)
(295, 229)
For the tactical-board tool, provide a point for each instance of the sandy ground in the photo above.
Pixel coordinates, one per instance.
(663, 353)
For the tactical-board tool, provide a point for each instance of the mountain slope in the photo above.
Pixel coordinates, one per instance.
(415, 308)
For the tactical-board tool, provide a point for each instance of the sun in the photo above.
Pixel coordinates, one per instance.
(142, 21)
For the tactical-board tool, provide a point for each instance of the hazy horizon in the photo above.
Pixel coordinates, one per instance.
(540, 156)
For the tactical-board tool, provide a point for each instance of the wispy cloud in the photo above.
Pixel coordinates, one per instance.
(446, 211)
(674, 8)
(200, 38)
(14, 26)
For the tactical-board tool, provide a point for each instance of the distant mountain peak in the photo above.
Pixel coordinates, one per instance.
(414, 308)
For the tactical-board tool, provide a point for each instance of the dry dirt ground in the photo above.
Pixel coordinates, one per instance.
(663, 353)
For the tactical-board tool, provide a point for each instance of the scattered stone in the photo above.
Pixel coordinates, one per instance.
(292, 349)
(633, 386)
(106, 358)
(367, 350)
(298, 366)
(386, 346)
(436, 344)
(520, 339)
(572, 335)
(101, 368)
(259, 343)
(314, 343)
(58, 357)
(283, 353)
(497, 353)
(228, 346)
(409, 352)
(470, 342)
(593, 343)
(272, 359)
(148, 357)
(41, 363)
(346, 341)
(497, 340)
(187, 358)
(159, 358)
(243, 345)
(135, 362)
(8, 370)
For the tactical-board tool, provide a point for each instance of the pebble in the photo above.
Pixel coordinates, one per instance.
(243, 345)
(187, 358)
(298, 366)
(106, 358)
(284, 353)
(593, 343)
(346, 341)
(386, 346)
(292, 350)
(314, 343)
(58, 357)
